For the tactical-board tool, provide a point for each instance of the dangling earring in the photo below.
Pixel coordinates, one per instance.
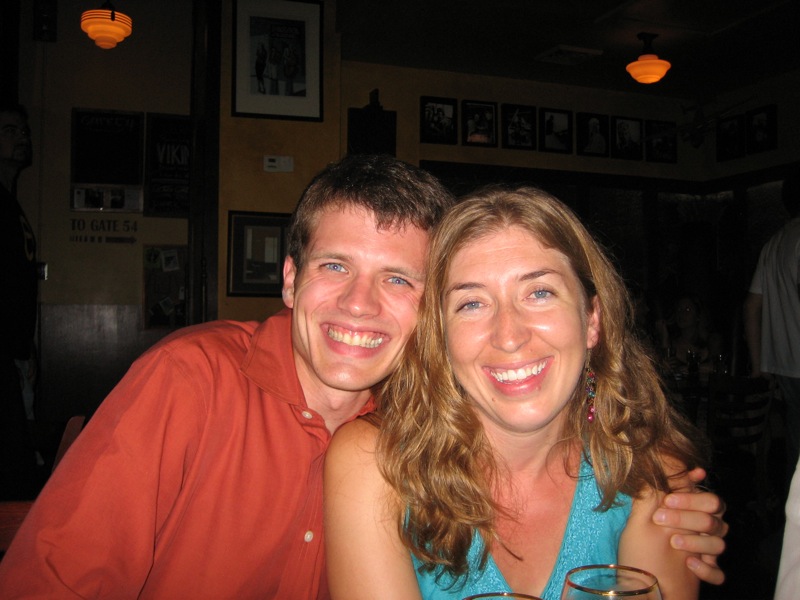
(591, 392)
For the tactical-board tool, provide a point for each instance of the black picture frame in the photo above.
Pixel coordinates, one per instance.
(660, 141)
(626, 138)
(518, 126)
(762, 129)
(438, 120)
(591, 134)
(257, 247)
(731, 138)
(555, 130)
(277, 59)
(479, 123)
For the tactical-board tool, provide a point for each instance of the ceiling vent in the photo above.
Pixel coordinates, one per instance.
(567, 55)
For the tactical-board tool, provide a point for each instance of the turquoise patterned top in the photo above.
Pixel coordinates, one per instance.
(592, 537)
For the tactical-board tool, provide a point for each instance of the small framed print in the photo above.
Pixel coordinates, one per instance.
(257, 246)
(660, 141)
(518, 126)
(277, 59)
(478, 123)
(762, 129)
(591, 131)
(555, 130)
(731, 138)
(627, 138)
(438, 120)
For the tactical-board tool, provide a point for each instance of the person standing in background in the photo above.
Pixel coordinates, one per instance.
(18, 308)
(772, 327)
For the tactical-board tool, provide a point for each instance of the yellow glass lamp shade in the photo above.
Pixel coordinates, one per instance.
(106, 27)
(648, 68)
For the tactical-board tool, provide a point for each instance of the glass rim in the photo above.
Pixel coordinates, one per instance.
(502, 595)
(613, 593)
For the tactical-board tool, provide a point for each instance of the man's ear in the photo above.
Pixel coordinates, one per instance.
(593, 324)
(289, 274)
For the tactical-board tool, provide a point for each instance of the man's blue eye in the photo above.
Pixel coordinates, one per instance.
(398, 280)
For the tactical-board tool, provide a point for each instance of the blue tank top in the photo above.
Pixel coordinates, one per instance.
(592, 537)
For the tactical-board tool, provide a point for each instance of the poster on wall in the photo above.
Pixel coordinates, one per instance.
(167, 166)
(107, 151)
(164, 302)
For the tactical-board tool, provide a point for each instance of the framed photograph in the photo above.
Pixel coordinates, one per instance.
(555, 130)
(277, 59)
(592, 134)
(256, 250)
(164, 302)
(478, 123)
(762, 129)
(438, 120)
(518, 126)
(731, 137)
(661, 141)
(626, 138)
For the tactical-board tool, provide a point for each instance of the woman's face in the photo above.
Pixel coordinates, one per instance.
(517, 329)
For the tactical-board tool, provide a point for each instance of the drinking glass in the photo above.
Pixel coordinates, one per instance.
(610, 581)
(498, 595)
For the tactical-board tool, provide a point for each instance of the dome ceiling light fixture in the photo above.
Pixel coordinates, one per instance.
(106, 26)
(648, 68)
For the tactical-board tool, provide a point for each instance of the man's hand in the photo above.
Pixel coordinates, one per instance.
(699, 512)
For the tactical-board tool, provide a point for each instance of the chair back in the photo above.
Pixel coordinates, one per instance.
(738, 410)
(13, 513)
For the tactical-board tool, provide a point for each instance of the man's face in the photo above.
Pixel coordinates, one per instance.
(355, 303)
(15, 140)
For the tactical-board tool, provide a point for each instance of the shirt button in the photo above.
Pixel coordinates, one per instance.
(307, 414)
(308, 536)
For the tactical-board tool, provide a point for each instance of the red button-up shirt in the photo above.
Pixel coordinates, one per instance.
(200, 476)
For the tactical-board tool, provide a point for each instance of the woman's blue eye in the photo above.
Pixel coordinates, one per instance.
(541, 294)
(473, 305)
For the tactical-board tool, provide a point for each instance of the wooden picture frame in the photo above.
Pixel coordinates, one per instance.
(479, 123)
(626, 138)
(277, 59)
(438, 120)
(555, 130)
(592, 134)
(660, 141)
(257, 246)
(518, 126)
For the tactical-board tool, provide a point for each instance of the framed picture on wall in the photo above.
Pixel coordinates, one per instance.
(731, 137)
(762, 129)
(555, 130)
(256, 250)
(277, 59)
(438, 120)
(592, 134)
(661, 141)
(518, 126)
(626, 140)
(478, 123)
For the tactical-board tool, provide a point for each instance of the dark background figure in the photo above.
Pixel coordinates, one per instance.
(772, 317)
(261, 65)
(18, 308)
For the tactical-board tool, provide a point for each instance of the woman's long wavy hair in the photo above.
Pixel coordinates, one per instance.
(432, 448)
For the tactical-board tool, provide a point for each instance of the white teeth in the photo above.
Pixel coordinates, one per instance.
(518, 374)
(364, 341)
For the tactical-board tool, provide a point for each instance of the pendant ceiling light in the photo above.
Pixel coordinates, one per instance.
(106, 26)
(648, 68)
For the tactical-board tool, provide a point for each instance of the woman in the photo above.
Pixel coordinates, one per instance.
(522, 386)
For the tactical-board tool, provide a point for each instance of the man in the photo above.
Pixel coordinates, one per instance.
(200, 476)
(18, 282)
(772, 327)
